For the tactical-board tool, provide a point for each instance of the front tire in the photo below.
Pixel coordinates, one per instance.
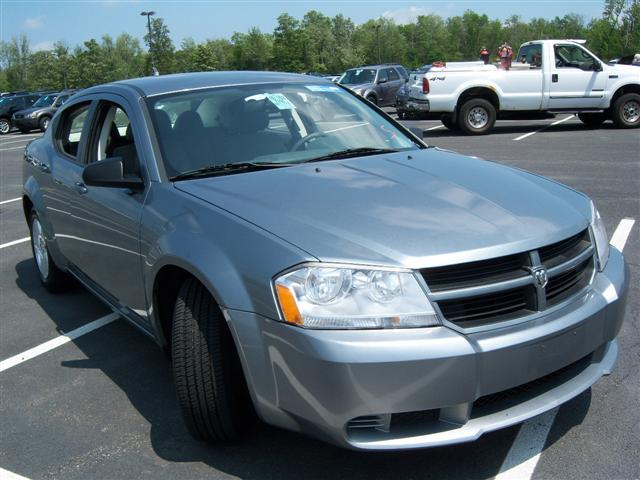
(372, 99)
(209, 381)
(477, 116)
(53, 278)
(626, 111)
(5, 126)
(43, 123)
(592, 119)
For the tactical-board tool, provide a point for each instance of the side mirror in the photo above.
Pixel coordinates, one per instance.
(110, 173)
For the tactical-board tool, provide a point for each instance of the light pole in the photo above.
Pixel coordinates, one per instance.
(148, 14)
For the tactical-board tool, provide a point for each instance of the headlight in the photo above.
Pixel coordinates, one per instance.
(600, 237)
(33, 115)
(331, 297)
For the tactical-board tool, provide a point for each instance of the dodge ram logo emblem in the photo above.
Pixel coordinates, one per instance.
(540, 276)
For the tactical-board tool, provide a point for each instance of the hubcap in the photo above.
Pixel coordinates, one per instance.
(631, 111)
(478, 117)
(4, 126)
(45, 123)
(40, 248)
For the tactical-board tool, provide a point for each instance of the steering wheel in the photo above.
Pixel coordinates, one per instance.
(307, 139)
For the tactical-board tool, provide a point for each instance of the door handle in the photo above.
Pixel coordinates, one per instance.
(81, 188)
(44, 168)
(554, 78)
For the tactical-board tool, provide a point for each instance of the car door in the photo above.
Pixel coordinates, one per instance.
(576, 80)
(394, 84)
(62, 176)
(381, 84)
(106, 220)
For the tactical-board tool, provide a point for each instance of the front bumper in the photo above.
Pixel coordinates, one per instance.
(413, 388)
(25, 123)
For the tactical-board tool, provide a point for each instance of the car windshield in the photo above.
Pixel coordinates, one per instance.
(44, 101)
(270, 124)
(358, 76)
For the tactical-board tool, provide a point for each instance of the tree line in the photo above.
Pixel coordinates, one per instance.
(315, 43)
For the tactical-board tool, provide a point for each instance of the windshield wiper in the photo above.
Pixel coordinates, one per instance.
(350, 152)
(227, 168)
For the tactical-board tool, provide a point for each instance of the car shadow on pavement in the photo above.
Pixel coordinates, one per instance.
(506, 129)
(143, 373)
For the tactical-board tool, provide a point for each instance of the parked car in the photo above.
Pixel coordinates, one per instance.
(557, 76)
(41, 112)
(405, 104)
(301, 255)
(11, 104)
(376, 83)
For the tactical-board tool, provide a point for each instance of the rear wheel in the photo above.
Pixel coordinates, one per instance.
(626, 111)
(401, 115)
(44, 123)
(5, 126)
(210, 384)
(54, 279)
(477, 116)
(448, 122)
(592, 119)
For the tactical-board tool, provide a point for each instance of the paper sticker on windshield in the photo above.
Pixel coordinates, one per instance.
(280, 101)
(323, 88)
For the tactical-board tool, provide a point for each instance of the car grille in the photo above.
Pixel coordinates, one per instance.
(486, 292)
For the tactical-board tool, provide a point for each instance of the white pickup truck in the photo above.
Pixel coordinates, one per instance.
(546, 76)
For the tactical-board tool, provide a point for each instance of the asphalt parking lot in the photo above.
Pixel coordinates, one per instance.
(103, 405)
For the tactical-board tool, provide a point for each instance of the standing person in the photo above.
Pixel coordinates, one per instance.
(505, 54)
(484, 55)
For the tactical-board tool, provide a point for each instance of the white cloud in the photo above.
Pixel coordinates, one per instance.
(42, 46)
(34, 23)
(406, 15)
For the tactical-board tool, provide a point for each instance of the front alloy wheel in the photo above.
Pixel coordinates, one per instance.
(477, 116)
(626, 111)
(5, 126)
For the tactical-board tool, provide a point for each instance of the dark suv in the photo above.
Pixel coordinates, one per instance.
(41, 112)
(376, 83)
(11, 104)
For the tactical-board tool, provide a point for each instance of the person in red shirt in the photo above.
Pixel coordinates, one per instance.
(484, 55)
(505, 54)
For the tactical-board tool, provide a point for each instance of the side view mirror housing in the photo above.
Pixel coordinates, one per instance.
(110, 173)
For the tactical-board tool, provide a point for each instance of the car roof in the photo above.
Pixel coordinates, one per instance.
(150, 86)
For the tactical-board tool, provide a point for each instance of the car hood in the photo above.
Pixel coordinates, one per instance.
(359, 86)
(426, 208)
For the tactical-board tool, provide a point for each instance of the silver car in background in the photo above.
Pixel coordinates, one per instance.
(303, 257)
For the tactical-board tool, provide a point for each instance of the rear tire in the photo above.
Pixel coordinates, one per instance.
(626, 111)
(53, 278)
(209, 381)
(592, 119)
(401, 115)
(448, 122)
(477, 116)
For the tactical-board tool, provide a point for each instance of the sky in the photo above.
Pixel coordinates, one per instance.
(75, 21)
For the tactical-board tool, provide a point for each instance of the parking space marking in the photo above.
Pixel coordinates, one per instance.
(522, 137)
(621, 234)
(56, 342)
(12, 148)
(523, 456)
(15, 242)
(7, 475)
(20, 140)
(10, 200)
(434, 128)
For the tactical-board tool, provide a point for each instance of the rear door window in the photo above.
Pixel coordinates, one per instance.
(392, 74)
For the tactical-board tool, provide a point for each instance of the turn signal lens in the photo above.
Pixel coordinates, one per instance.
(288, 305)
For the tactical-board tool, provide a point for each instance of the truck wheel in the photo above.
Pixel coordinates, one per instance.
(626, 111)
(44, 123)
(477, 116)
(5, 126)
(211, 388)
(401, 115)
(592, 119)
(448, 122)
(54, 279)
(372, 99)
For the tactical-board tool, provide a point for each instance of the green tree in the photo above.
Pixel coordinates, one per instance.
(161, 48)
(252, 50)
(288, 45)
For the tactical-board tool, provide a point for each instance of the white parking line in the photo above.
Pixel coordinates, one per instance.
(523, 456)
(522, 137)
(10, 200)
(434, 128)
(7, 475)
(23, 140)
(621, 234)
(56, 342)
(14, 242)
(525, 451)
(12, 148)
